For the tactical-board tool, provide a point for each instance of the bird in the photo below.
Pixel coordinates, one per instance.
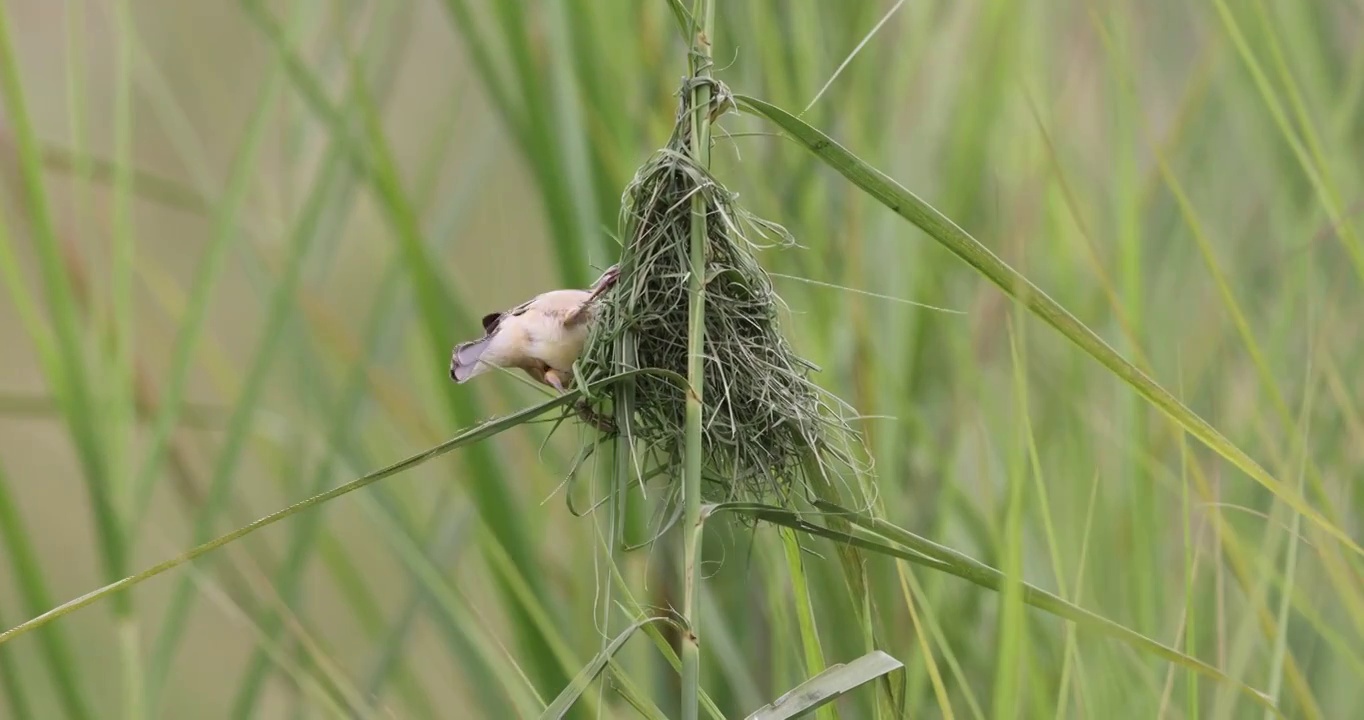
(542, 336)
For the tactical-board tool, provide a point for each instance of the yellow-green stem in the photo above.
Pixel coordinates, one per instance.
(121, 420)
(696, 337)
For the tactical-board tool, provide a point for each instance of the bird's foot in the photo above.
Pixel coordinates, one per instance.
(597, 420)
(560, 381)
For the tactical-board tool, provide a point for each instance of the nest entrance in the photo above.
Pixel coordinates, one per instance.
(766, 426)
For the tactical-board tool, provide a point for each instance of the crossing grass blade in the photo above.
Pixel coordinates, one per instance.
(465, 439)
(967, 248)
(280, 306)
(171, 193)
(888, 539)
(574, 690)
(370, 156)
(327, 206)
(225, 232)
(827, 686)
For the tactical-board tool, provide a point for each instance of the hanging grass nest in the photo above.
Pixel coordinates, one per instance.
(766, 426)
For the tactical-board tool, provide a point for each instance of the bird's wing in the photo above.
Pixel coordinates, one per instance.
(491, 321)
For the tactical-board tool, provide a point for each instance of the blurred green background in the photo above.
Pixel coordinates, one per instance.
(239, 239)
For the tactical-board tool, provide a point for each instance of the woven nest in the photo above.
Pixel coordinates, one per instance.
(766, 426)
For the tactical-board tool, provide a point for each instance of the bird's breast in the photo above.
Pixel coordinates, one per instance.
(556, 345)
(537, 337)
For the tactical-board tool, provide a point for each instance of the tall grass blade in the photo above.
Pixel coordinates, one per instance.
(907, 205)
(227, 218)
(805, 615)
(66, 370)
(1311, 162)
(900, 543)
(11, 686)
(278, 314)
(467, 438)
(449, 532)
(370, 157)
(329, 202)
(120, 419)
(1290, 573)
(584, 678)
(32, 586)
(827, 686)
(484, 658)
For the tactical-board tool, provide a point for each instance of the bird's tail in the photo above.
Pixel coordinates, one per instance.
(464, 361)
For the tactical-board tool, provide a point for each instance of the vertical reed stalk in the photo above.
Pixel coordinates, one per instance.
(704, 12)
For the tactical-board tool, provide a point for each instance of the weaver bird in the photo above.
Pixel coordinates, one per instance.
(543, 336)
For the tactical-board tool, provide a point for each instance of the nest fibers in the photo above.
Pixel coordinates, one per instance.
(766, 427)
